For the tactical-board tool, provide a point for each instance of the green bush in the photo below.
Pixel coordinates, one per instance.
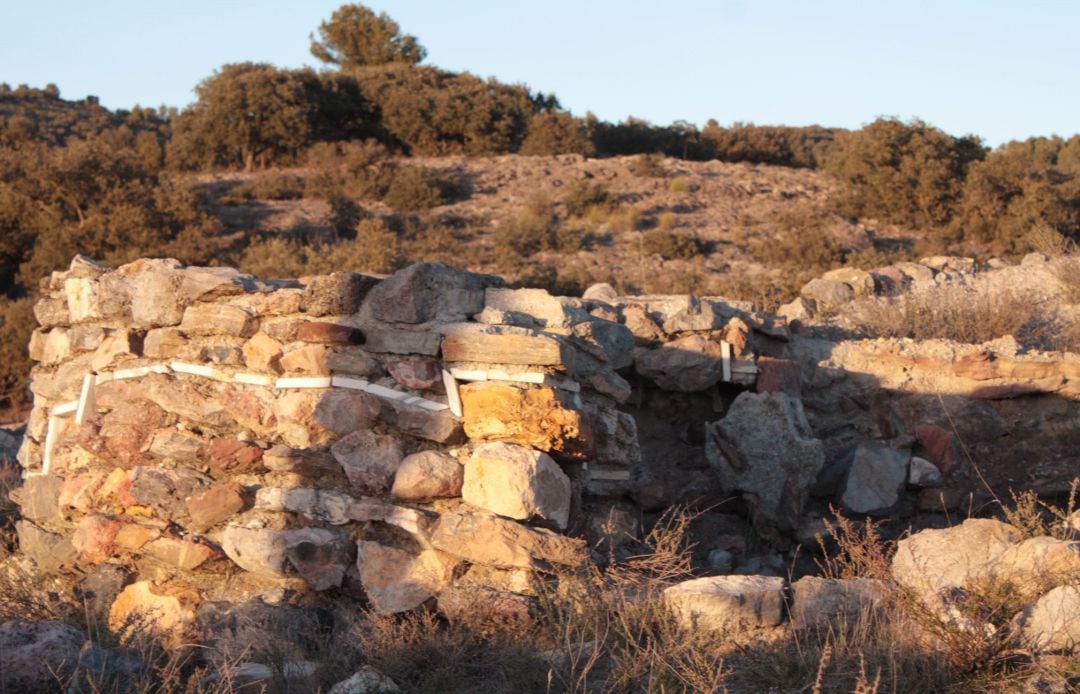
(413, 188)
(904, 173)
(1020, 187)
(556, 132)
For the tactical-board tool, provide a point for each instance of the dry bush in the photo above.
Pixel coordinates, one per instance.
(682, 184)
(963, 314)
(584, 196)
(536, 228)
(859, 551)
(609, 629)
(267, 185)
(17, 321)
(623, 219)
(648, 166)
(670, 245)
(422, 654)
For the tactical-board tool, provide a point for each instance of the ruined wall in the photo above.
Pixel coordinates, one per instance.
(430, 434)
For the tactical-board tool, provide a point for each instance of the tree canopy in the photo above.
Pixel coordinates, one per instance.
(355, 36)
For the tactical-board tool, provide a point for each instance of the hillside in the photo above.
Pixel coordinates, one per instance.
(749, 231)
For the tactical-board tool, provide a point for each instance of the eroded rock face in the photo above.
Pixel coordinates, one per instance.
(494, 541)
(142, 606)
(764, 448)
(320, 556)
(530, 416)
(517, 482)
(727, 603)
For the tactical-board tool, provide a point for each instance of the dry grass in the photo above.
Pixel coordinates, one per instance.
(964, 314)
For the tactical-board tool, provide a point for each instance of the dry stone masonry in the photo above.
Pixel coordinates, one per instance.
(428, 435)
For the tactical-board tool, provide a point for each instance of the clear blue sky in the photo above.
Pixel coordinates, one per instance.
(1001, 70)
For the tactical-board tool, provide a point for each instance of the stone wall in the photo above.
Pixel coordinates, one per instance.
(432, 434)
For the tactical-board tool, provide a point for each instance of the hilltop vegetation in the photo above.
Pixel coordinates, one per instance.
(356, 141)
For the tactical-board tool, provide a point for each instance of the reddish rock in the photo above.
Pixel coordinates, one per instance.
(328, 333)
(95, 538)
(779, 376)
(232, 456)
(343, 412)
(145, 606)
(132, 537)
(369, 460)
(417, 374)
(126, 431)
(216, 504)
(939, 446)
(79, 492)
(428, 475)
(183, 554)
(353, 362)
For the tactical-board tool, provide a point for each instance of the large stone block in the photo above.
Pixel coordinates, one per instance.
(396, 580)
(428, 475)
(504, 346)
(532, 416)
(517, 482)
(876, 478)
(337, 294)
(1052, 624)
(144, 607)
(764, 448)
(936, 563)
(493, 541)
(688, 364)
(276, 553)
(821, 602)
(219, 319)
(727, 603)
(428, 292)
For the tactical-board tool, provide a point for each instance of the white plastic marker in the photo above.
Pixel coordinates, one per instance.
(255, 379)
(64, 408)
(348, 382)
(52, 434)
(86, 405)
(452, 394)
(303, 382)
(725, 356)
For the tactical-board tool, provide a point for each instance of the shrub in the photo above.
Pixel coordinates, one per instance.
(268, 185)
(584, 196)
(670, 245)
(648, 166)
(1020, 187)
(556, 132)
(531, 230)
(413, 188)
(667, 220)
(682, 184)
(17, 321)
(905, 173)
(964, 314)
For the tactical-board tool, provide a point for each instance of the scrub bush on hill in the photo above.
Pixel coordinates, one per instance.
(904, 173)
(1020, 187)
